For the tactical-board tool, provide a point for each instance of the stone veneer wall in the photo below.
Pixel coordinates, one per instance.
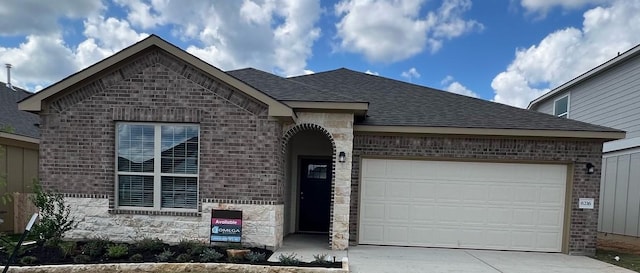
(583, 225)
(262, 224)
(340, 126)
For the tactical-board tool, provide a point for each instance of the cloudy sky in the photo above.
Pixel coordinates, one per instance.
(509, 51)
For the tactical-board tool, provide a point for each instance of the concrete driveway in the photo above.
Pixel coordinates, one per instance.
(372, 259)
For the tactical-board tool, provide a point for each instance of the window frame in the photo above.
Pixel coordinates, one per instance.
(157, 174)
(565, 114)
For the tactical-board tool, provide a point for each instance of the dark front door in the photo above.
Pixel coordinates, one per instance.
(315, 195)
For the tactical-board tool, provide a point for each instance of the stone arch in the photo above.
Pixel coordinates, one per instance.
(315, 127)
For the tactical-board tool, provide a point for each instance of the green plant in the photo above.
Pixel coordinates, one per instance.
(81, 259)
(28, 260)
(117, 251)
(191, 247)
(55, 219)
(67, 248)
(210, 255)
(291, 259)
(95, 247)
(197, 249)
(164, 256)
(149, 245)
(256, 257)
(320, 259)
(136, 258)
(184, 258)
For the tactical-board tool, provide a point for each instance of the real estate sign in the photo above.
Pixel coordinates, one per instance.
(226, 226)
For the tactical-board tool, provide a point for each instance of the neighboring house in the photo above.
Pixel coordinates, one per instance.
(608, 95)
(148, 141)
(18, 150)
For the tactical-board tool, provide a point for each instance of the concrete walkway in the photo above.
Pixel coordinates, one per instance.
(414, 259)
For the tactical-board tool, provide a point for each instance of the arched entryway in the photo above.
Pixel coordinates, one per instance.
(309, 152)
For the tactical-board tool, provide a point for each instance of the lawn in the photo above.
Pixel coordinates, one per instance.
(627, 260)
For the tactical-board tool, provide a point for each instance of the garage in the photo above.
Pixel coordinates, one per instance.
(476, 205)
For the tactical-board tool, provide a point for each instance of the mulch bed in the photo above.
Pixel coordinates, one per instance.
(54, 255)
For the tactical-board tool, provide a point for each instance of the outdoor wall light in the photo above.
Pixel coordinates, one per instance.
(590, 168)
(342, 157)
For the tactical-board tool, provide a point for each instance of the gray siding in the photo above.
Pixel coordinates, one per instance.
(611, 99)
(620, 194)
(547, 106)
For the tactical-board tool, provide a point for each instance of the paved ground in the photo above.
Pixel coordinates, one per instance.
(413, 259)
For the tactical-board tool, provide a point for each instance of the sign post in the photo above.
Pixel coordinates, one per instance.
(226, 226)
(24, 235)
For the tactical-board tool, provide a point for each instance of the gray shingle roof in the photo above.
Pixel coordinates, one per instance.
(286, 90)
(23, 123)
(396, 103)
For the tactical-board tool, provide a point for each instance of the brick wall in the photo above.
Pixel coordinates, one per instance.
(582, 238)
(240, 150)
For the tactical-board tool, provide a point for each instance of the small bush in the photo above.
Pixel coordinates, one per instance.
(320, 259)
(256, 257)
(95, 247)
(136, 258)
(164, 256)
(117, 251)
(67, 248)
(150, 245)
(81, 259)
(184, 258)
(291, 259)
(197, 249)
(28, 260)
(55, 216)
(210, 255)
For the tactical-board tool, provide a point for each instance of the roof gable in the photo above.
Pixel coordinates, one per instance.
(34, 102)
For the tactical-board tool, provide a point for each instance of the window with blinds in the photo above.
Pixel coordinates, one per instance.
(157, 166)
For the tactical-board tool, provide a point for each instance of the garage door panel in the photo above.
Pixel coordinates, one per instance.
(462, 204)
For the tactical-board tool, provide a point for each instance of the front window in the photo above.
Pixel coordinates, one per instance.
(561, 107)
(157, 166)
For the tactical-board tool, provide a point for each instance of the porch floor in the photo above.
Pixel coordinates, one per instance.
(307, 245)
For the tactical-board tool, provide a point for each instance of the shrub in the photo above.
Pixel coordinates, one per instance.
(55, 219)
(210, 255)
(95, 247)
(197, 249)
(291, 259)
(191, 247)
(183, 258)
(136, 258)
(320, 259)
(117, 251)
(81, 259)
(255, 257)
(149, 245)
(28, 260)
(67, 248)
(164, 256)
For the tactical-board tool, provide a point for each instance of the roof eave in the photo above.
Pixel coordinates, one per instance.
(358, 108)
(19, 140)
(603, 135)
(585, 76)
(34, 102)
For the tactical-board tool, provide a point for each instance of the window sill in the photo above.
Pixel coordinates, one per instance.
(156, 212)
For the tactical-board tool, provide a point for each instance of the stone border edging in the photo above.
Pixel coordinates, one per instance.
(172, 267)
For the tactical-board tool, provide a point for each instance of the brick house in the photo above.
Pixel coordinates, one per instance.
(149, 140)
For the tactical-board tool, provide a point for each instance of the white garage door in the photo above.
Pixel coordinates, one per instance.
(462, 204)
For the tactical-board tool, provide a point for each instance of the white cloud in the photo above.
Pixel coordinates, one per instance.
(272, 35)
(372, 73)
(542, 6)
(410, 74)
(569, 52)
(394, 30)
(36, 17)
(453, 86)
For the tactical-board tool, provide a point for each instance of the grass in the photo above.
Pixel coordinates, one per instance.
(627, 260)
